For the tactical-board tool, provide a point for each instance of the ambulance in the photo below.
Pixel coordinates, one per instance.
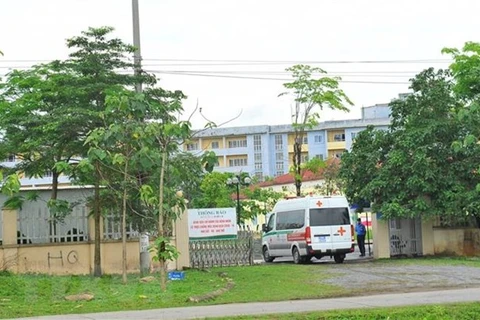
(303, 228)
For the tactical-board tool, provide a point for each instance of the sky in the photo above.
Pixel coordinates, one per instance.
(263, 37)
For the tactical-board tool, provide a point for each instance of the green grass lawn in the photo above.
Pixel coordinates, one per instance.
(463, 311)
(32, 295)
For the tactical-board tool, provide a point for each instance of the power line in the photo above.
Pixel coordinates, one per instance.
(380, 74)
(255, 62)
(263, 78)
(305, 61)
(270, 72)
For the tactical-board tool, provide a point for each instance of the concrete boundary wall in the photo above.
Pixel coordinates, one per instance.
(78, 257)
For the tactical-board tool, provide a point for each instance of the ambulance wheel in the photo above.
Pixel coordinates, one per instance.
(339, 258)
(297, 258)
(266, 255)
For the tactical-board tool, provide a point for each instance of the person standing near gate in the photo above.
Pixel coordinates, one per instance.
(360, 230)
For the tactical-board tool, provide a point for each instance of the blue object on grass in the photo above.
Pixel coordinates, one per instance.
(176, 275)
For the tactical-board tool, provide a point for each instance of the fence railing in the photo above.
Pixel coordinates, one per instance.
(212, 253)
(112, 228)
(38, 226)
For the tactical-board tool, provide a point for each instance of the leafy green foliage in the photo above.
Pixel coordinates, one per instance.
(333, 183)
(59, 209)
(215, 192)
(311, 94)
(260, 201)
(164, 250)
(412, 169)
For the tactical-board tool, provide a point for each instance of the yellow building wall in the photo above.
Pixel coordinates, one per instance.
(290, 158)
(291, 142)
(234, 138)
(331, 134)
(191, 142)
(304, 148)
(336, 146)
(331, 153)
(207, 143)
(221, 163)
(227, 161)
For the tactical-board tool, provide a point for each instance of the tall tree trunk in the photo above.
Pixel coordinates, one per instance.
(297, 161)
(124, 225)
(161, 231)
(97, 260)
(54, 196)
(55, 175)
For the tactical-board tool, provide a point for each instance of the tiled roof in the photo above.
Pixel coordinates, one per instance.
(289, 177)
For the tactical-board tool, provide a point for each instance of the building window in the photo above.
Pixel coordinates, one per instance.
(237, 143)
(258, 166)
(259, 176)
(305, 140)
(257, 143)
(318, 139)
(319, 156)
(241, 162)
(279, 157)
(354, 135)
(304, 158)
(279, 166)
(192, 146)
(10, 158)
(215, 144)
(278, 142)
(339, 137)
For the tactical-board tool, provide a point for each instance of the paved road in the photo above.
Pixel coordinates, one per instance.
(365, 302)
(350, 257)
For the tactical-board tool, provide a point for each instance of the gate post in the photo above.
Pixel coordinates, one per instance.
(381, 245)
(428, 247)
(9, 234)
(182, 241)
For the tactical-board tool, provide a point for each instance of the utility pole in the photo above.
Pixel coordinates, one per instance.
(137, 58)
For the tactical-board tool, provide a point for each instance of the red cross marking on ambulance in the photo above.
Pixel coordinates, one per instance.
(319, 203)
(341, 231)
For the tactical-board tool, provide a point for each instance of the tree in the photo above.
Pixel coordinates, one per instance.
(97, 62)
(142, 136)
(214, 192)
(259, 201)
(465, 66)
(333, 184)
(48, 111)
(311, 95)
(361, 165)
(186, 172)
(411, 169)
(115, 148)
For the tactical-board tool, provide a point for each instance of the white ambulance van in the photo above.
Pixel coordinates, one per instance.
(303, 228)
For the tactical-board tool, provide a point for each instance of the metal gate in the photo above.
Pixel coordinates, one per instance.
(405, 237)
(232, 252)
